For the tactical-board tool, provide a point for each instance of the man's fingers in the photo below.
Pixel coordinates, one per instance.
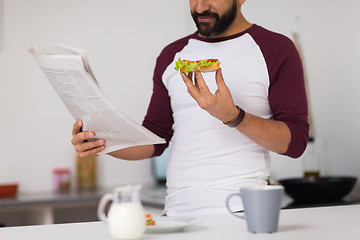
(92, 152)
(202, 85)
(220, 79)
(87, 146)
(77, 127)
(190, 75)
(84, 142)
(82, 137)
(200, 91)
(187, 78)
(193, 91)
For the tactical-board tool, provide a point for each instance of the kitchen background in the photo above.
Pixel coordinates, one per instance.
(123, 39)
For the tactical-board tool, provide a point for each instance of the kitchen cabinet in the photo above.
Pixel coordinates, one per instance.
(50, 207)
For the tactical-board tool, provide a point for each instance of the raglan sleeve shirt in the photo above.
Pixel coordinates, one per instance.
(287, 94)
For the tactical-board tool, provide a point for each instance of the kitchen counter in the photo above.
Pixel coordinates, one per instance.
(80, 206)
(325, 223)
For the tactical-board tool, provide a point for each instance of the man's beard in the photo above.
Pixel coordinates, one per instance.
(220, 25)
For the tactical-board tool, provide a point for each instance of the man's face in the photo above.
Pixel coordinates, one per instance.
(213, 18)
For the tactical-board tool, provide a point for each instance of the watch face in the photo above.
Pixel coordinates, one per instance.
(159, 165)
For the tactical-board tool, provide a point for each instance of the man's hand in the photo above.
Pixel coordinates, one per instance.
(270, 134)
(84, 146)
(220, 104)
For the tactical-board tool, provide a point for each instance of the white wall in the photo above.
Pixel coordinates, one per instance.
(331, 51)
(119, 35)
(122, 38)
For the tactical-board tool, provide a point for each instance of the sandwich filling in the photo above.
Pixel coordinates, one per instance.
(187, 66)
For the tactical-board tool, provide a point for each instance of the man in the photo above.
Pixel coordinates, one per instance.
(222, 125)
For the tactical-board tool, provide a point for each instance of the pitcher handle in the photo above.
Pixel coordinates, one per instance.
(228, 205)
(101, 207)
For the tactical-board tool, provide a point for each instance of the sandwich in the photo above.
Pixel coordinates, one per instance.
(206, 65)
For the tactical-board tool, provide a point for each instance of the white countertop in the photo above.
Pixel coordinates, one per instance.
(328, 223)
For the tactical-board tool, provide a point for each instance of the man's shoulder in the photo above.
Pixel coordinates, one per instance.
(168, 53)
(268, 37)
(176, 46)
(270, 40)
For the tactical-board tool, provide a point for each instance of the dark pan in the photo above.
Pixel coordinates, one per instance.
(318, 189)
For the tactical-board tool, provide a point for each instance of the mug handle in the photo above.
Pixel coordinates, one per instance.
(228, 205)
(101, 207)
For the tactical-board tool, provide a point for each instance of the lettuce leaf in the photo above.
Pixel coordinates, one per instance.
(189, 66)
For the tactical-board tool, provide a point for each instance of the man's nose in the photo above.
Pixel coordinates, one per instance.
(201, 6)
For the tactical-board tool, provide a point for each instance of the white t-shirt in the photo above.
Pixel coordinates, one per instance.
(209, 161)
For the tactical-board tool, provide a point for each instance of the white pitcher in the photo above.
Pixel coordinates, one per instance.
(126, 217)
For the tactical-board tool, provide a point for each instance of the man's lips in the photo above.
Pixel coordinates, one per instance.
(205, 19)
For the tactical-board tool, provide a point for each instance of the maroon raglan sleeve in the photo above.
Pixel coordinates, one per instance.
(287, 94)
(159, 117)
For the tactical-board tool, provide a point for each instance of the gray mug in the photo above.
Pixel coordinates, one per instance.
(261, 207)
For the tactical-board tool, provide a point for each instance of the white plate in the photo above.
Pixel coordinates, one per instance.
(168, 224)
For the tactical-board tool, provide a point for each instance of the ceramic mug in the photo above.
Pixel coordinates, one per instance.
(261, 207)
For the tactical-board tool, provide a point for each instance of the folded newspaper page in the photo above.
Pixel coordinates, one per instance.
(69, 72)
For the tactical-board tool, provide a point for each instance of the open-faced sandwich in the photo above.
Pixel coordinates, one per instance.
(149, 220)
(205, 65)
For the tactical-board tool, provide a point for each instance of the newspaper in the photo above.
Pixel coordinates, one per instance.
(69, 72)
